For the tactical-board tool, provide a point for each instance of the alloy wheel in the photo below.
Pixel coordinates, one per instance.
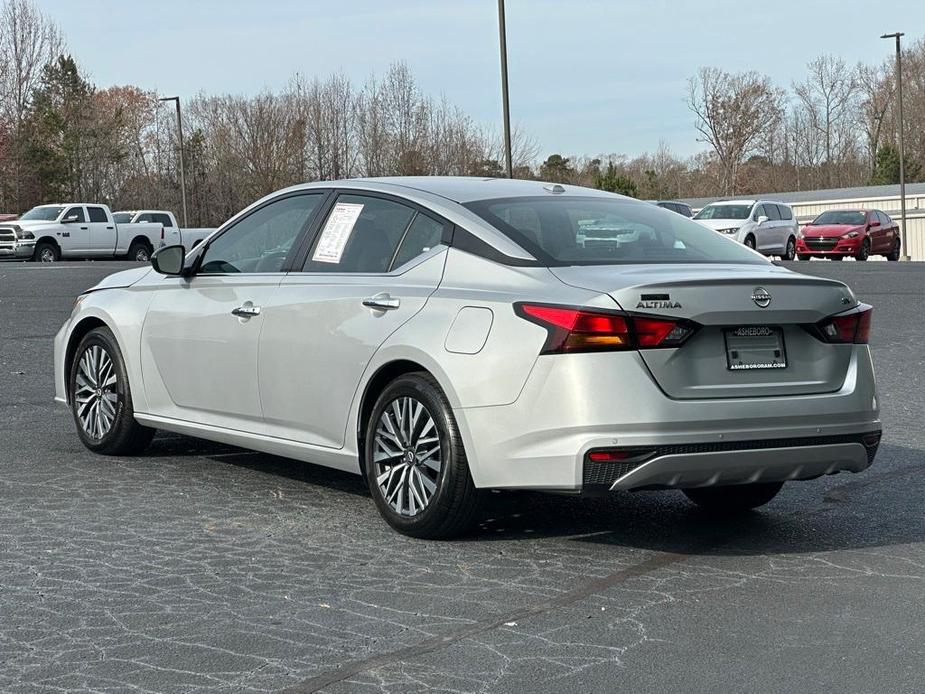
(141, 255)
(47, 255)
(96, 395)
(407, 456)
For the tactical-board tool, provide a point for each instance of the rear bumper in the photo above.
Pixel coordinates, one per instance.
(573, 404)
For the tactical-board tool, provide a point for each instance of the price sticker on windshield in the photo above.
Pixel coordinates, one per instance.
(336, 232)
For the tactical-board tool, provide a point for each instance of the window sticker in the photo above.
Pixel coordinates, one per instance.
(337, 232)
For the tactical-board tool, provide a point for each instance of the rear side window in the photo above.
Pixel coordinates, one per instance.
(603, 230)
(76, 211)
(785, 212)
(360, 235)
(423, 234)
(97, 214)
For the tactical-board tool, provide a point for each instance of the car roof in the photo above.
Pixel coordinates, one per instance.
(463, 189)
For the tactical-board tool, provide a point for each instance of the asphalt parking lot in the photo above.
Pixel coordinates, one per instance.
(200, 567)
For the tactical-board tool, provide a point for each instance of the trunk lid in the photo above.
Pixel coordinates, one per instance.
(720, 299)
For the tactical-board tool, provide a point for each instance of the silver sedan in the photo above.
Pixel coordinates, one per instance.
(444, 336)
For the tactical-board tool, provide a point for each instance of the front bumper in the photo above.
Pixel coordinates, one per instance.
(17, 251)
(574, 404)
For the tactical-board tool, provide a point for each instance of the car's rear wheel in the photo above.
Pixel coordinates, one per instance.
(101, 399)
(734, 498)
(415, 463)
(864, 251)
(893, 255)
(791, 251)
(139, 252)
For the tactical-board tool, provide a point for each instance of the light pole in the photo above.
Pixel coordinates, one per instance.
(902, 153)
(176, 99)
(504, 93)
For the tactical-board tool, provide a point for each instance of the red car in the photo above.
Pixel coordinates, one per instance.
(860, 234)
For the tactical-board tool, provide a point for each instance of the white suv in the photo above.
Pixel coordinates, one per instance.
(768, 227)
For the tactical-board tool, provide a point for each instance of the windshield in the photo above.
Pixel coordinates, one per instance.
(45, 213)
(724, 212)
(571, 230)
(122, 217)
(852, 217)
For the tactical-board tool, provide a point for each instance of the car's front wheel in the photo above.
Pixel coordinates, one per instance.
(101, 399)
(415, 461)
(734, 498)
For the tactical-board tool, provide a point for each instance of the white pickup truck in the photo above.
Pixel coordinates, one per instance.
(173, 235)
(83, 230)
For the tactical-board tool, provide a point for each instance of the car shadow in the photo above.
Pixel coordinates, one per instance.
(877, 508)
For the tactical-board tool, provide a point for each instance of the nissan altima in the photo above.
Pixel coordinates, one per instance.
(447, 336)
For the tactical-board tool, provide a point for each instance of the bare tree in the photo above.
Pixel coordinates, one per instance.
(828, 96)
(734, 112)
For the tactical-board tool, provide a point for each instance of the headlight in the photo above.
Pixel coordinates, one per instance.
(734, 230)
(20, 234)
(850, 235)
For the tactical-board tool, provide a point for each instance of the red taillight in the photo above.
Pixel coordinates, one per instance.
(851, 327)
(579, 330)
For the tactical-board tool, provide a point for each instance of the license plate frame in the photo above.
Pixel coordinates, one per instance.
(755, 348)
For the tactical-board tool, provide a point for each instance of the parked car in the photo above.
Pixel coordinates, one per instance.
(443, 336)
(681, 208)
(172, 234)
(7, 217)
(84, 230)
(763, 225)
(858, 234)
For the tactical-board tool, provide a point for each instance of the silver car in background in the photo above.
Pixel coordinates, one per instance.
(444, 336)
(763, 225)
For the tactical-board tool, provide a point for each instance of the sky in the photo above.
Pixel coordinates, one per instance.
(587, 77)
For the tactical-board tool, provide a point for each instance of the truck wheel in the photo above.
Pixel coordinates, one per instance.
(46, 252)
(140, 252)
(736, 498)
(101, 399)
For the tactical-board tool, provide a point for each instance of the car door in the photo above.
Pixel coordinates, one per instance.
(763, 232)
(373, 264)
(775, 229)
(200, 336)
(102, 231)
(881, 236)
(75, 235)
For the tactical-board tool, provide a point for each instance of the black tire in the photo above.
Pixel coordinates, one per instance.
(124, 436)
(791, 251)
(750, 242)
(736, 498)
(140, 251)
(837, 258)
(46, 252)
(804, 256)
(894, 254)
(454, 502)
(864, 251)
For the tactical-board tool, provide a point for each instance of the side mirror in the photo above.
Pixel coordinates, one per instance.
(70, 219)
(762, 219)
(169, 260)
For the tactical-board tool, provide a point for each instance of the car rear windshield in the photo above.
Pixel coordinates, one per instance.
(122, 217)
(45, 213)
(724, 212)
(576, 230)
(840, 217)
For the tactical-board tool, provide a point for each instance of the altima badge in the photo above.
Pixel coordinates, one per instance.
(657, 301)
(761, 297)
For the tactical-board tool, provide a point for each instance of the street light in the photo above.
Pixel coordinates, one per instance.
(176, 99)
(504, 93)
(902, 153)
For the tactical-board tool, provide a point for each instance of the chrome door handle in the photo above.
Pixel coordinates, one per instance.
(381, 302)
(248, 310)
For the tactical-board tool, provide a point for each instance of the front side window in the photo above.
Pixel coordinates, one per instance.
(724, 211)
(162, 219)
(772, 212)
(360, 235)
(261, 241)
(97, 214)
(574, 230)
(75, 212)
(885, 219)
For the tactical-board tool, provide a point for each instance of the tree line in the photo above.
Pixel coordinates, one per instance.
(64, 138)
